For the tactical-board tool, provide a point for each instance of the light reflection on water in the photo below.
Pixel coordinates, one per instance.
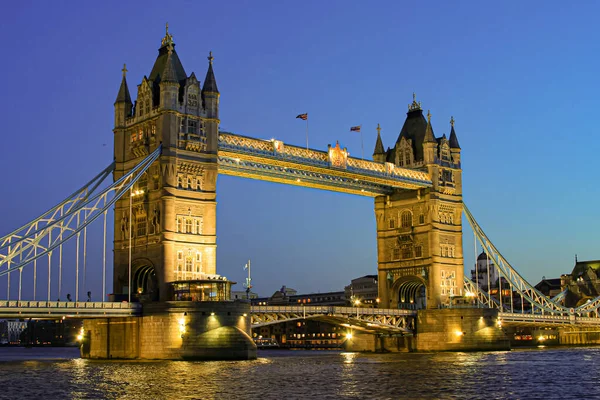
(523, 374)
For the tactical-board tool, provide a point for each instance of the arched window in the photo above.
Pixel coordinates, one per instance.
(406, 219)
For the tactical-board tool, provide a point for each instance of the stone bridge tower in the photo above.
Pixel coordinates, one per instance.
(170, 218)
(419, 233)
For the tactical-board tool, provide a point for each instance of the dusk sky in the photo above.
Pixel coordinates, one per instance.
(519, 77)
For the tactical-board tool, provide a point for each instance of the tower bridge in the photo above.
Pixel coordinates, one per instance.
(168, 154)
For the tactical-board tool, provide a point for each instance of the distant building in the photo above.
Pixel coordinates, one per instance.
(549, 287)
(10, 331)
(485, 273)
(583, 283)
(242, 295)
(288, 296)
(364, 290)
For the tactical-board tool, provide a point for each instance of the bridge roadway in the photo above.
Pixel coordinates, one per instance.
(364, 319)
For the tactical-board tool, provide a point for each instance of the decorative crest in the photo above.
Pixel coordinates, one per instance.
(378, 130)
(124, 70)
(428, 117)
(210, 57)
(168, 39)
(452, 122)
(416, 105)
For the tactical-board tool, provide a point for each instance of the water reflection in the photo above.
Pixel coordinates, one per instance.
(322, 375)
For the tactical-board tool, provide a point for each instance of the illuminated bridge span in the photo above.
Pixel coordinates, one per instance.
(363, 319)
(59, 309)
(335, 170)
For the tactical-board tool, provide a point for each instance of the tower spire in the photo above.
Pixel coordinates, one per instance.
(429, 138)
(168, 39)
(453, 138)
(210, 83)
(169, 74)
(379, 150)
(123, 96)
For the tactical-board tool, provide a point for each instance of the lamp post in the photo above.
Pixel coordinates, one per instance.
(357, 303)
(132, 194)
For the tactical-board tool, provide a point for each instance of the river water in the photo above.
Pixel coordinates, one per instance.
(58, 373)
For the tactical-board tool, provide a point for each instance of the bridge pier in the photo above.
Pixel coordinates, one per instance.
(460, 329)
(174, 330)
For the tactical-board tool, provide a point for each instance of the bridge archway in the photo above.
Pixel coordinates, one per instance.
(411, 293)
(145, 282)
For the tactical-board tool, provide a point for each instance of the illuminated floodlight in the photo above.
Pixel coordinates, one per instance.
(348, 336)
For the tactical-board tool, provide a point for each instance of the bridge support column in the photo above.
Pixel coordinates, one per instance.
(174, 331)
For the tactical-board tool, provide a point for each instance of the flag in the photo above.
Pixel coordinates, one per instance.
(355, 128)
(246, 266)
(303, 117)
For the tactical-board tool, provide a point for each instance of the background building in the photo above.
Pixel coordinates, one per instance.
(364, 290)
(583, 283)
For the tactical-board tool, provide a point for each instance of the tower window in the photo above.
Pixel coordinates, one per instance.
(188, 225)
(198, 261)
(197, 227)
(182, 124)
(396, 253)
(147, 106)
(406, 252)
(141, 225)
(192, 126)
(392, 223)
(406, 219)
(421, 219)
(418, 251)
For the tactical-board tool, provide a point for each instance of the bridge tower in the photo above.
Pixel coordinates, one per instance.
(168, 225)
(419, 233)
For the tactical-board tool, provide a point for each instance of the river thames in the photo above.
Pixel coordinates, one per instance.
(58, 373)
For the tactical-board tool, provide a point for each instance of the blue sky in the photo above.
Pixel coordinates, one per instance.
(520, 79)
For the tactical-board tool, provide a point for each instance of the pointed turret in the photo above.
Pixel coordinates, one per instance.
(379, 153)
(169, 84)
(454, 146)
(123, 96)
(210, 99)
(123, 102)
(429, 130)
(210, 83)
(429, 142)
(453, 139)
(168, 73)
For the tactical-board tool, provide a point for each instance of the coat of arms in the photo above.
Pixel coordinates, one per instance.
(337, 156)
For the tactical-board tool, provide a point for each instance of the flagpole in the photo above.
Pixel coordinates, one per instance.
(307, 133)
(361, 144)
(249, 280)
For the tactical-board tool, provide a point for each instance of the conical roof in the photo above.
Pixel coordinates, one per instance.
(453, 139)
(123, 95)
(210, 83)
(379, 144)
(168, 73)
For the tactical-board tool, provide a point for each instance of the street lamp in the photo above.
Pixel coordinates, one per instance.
(357, 303)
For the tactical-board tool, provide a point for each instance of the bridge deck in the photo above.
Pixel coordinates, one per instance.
(59, 309)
